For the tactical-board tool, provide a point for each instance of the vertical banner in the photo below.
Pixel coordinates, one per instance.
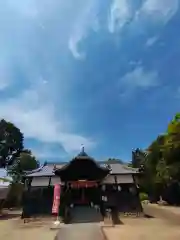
(56, 200)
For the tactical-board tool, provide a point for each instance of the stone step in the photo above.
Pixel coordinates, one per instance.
(108, 222)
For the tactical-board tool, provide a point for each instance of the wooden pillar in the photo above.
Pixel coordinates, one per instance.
(49, 182)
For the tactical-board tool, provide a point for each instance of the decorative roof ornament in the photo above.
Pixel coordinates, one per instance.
(54, 168)
(82, 152)
(108, 167)
(82, 148)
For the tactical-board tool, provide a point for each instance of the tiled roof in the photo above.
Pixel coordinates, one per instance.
(45, 171)
(117, 168)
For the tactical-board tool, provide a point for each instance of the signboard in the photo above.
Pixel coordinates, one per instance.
(84, 183)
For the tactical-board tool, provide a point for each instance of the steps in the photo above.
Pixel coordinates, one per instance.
(85, 214)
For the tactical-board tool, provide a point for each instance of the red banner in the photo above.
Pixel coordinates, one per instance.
(56, 200)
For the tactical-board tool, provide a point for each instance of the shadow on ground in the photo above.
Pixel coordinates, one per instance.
(8, 216)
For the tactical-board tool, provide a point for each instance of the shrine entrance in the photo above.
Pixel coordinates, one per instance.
(81, 177)
(84, 192)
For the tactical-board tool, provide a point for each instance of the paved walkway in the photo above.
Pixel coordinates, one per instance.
(80, 231)
(85, 225)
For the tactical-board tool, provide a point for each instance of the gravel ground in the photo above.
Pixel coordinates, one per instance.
(15, 229)
(131, 229)
(143, 229)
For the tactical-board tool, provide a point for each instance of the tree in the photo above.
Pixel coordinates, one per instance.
(138, 158)
(25, 162)
(11, 143)
(162, 172)
(114, 160)
(162, 165)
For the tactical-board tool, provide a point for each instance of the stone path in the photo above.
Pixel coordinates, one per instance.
(80, 231)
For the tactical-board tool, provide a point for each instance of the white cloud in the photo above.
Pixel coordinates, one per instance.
(87, 20)
(151, 41)
(138, 79)
(120, 14)
(48, 151)
(125, 12)
(36, 117)
(161, 10)
(73, 46)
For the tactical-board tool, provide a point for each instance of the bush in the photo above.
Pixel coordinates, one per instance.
(143, 196)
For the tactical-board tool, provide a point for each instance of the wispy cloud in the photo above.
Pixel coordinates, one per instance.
(138, 79)
(73, 46)
(48, 151)
(151, 41)
(33, 37)
(87, 20)
(46, 92)
(161, 10)
(127, 12)
(120, 14)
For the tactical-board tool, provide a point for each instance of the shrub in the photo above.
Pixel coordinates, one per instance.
(143, 196)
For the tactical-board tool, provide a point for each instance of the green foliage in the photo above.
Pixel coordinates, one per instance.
(13, 156)
(11, 143)
(162, 165)
(143, 196)
(162, 172)
(114, 160)
(137, 158)
(25, 162)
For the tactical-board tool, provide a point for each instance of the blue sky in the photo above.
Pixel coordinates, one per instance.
(100, 73)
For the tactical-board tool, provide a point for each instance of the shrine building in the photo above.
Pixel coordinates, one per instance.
(84, 182)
